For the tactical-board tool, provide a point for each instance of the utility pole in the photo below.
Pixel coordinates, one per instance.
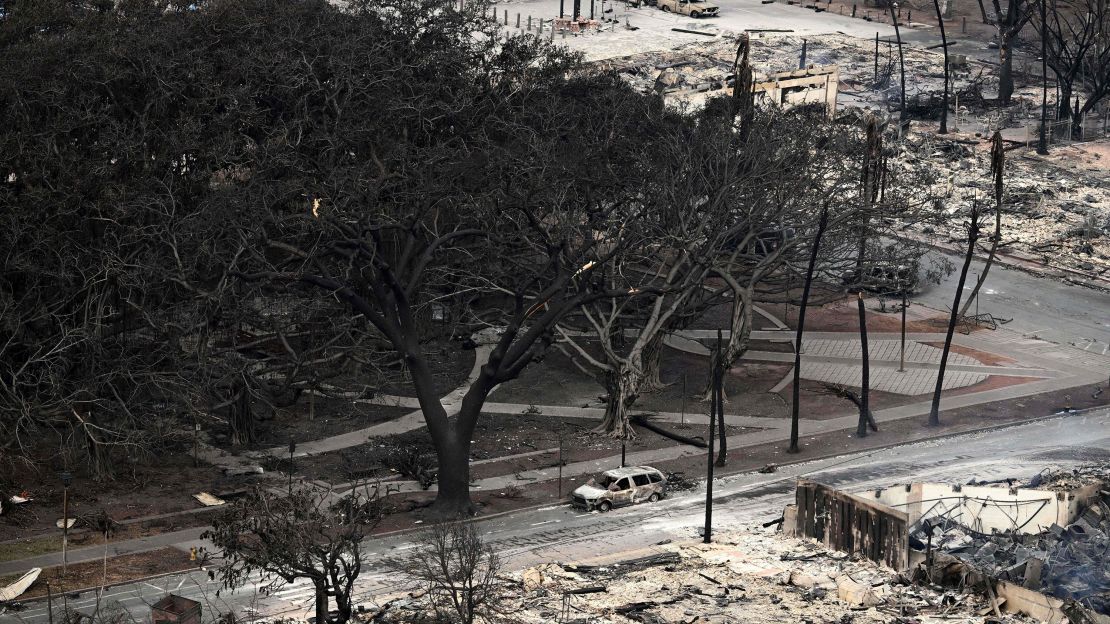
(682, 417)
(876, 79)
(714, 405)
(802, 62)
(902, 356)
(66, 479)
(560, 466)
(292, 449)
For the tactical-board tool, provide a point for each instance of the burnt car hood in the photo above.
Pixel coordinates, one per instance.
(590, 492)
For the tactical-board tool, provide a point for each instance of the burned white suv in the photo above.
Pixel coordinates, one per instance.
(621, 486)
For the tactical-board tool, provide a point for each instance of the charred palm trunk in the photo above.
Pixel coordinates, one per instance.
(865, 382)
(822, 223)
(972, 238)
(998, 164)
(944, 44)
(901, 62)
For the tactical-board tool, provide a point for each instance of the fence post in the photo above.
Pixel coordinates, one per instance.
(506, 17)
(529, 23)
(518, 20)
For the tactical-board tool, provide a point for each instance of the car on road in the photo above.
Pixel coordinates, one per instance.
(693, 8)
(621, 486)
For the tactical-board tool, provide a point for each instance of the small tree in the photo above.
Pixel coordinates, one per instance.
(304, 533)
(459, 570)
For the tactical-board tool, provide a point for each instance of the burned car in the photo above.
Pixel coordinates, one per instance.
(621, 486)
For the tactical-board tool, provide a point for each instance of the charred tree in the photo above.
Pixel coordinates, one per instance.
(947, 69)
(865, 380)
(972, 239)
(822, 223)
(998, 165)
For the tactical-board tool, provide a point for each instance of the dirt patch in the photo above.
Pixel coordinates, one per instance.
(450, 364)
(91, 574)
(554, 381)
(842, 316)
(329, 417)
(157, 486)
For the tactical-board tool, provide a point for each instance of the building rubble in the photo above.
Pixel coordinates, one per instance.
(1056, 208)
(754, 576)
(1067, 562)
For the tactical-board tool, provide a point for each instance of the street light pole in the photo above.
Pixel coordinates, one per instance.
(902, 351)
(66, 478)
(714, 405)
(292, 449)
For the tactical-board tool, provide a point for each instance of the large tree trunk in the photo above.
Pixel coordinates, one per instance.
(972, 238)
(321, 603)
(1005, 70)
(822, 223)
(652, 358)
(453, 476)
(1064, 105)
(622, 389)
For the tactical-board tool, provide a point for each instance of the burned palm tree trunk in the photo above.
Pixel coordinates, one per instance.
(998, 163)
(944, 45)
(901, 62)
(743, 95)
(865, 381)
(972, 238)
(822, 223)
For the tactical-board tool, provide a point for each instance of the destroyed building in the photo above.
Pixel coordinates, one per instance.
(1038, 546)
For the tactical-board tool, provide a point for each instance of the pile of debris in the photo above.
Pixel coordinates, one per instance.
(1069, 562)
(754, 576)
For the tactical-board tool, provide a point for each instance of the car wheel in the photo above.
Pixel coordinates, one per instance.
(654, 498)
(695, 14)
(666, 9)
(604, 506)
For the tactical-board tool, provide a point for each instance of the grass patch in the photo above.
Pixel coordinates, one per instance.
(120, 569)
(31, 547)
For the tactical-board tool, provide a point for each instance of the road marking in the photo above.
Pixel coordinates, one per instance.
(544, 522)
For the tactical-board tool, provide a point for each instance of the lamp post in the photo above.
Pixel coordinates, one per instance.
(902, 356)
(292, 449)
(715, 404)
(66, 479)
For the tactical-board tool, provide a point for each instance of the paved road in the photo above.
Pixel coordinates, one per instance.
(1051, 310)
(560, 533)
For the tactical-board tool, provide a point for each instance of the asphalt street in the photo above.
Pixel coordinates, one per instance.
(1046, 308)
(559, 533)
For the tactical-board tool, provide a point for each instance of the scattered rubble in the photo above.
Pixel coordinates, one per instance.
(1056, 209)
(1066, 562)
(753, 576)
